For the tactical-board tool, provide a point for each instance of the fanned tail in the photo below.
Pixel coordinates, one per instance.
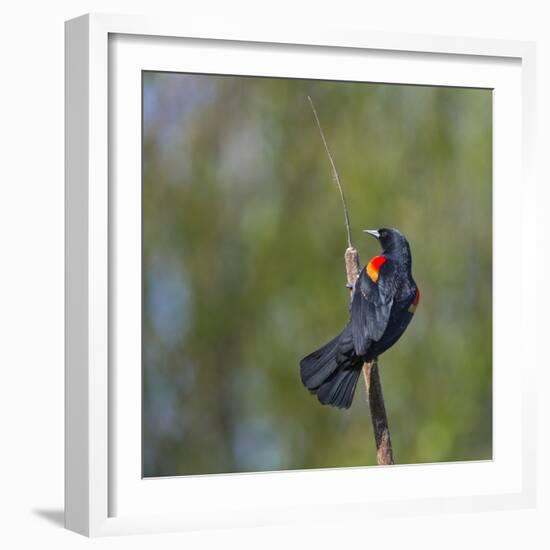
(332, 371)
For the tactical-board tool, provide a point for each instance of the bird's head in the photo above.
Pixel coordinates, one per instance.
(391, 240)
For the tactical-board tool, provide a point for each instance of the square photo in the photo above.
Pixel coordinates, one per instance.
(316, 274)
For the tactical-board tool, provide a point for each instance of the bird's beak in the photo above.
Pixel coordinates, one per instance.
(372, 232)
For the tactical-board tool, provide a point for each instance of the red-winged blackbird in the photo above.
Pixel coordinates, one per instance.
(384, 299)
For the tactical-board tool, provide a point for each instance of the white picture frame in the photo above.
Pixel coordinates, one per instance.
(104, 490)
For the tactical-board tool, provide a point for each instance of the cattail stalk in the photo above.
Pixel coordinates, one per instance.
(375, 397)
(373, 384)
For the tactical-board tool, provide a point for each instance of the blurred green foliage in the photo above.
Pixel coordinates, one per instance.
(243, 271)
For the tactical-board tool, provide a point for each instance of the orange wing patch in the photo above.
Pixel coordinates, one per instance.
(373, 267)
(412, 307)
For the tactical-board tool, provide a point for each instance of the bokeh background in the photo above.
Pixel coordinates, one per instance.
(243, 272)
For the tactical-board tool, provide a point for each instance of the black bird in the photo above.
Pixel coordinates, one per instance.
(384, 299)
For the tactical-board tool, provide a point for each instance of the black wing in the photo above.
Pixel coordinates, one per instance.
(371, 306)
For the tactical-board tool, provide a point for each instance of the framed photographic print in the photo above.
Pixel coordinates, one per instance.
(239, 351)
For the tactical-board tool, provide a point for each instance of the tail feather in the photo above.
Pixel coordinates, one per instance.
(339, 389)
(332, 371)
(319, 365)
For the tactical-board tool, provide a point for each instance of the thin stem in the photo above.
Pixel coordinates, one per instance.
(334, 172)
(375, 398)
